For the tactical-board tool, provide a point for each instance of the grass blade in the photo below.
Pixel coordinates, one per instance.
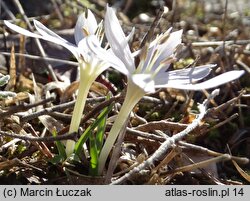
(93, 168)
(88, 131)
(60, 147)
(101, 129)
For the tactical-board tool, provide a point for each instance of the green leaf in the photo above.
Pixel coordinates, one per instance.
(88, 131)
(93, 168)
(73, 158)
(60, 147)
(101, 128)
(56, 159)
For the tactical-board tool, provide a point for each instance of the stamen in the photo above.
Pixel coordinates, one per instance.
(85, 31)
(164, 37)
(163, 63)
(99, 32)
(152, 60)
(142, 56)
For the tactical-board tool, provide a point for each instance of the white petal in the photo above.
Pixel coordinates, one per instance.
(144, 81)
(117, 39)
(183, 76)
(113, 60)
(91, 43)
(89, 23)
(155, 41)
(44, 31)
(97, 66)
(173, 41)
(78, 32)
(21, 30)
(131, 34)
(46, 34)
(93, 65)
(167, 49)
(211, 83)
(51, 36)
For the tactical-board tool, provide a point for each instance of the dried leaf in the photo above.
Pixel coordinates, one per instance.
(69, 91)
(242, 172)
(99, 88)
(50, 123)
(37, 91)
(24, 83)
(12, 82)
(58, 86)
(96, 87)
(8, 164)
(21, 62)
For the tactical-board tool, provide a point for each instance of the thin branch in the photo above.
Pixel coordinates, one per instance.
(67, 136)
(47, 111)
(219, 43)
(242, 64)
(42, 147)
(161, 125)
(148, 136)
(149, 36)
(25, 107)
(200, 149)
(29, 56)
(222, 123)
(8, 164)
(7, 10)
(223, 157)
(57, 108)
(66, 118)
(100, 106)
(226, 104)
(57, 10)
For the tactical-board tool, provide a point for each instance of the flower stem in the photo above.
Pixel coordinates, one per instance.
(84, 86)
(134, 94)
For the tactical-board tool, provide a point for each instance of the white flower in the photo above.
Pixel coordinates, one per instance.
(151, 73)
(155, 61)
(90, 65)
(82, 28)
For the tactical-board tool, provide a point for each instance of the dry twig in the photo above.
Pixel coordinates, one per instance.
(40, 139)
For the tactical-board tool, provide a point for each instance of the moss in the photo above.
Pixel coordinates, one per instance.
(182, 63)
